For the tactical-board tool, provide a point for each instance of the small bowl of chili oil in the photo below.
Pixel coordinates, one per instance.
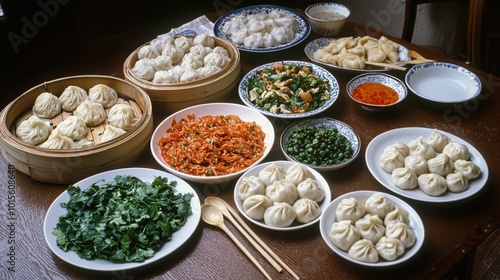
(376, 91)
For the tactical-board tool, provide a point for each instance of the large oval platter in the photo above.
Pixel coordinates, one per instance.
(376, 147)
(320, 43)
(301, 35)
(317, 70)
(145, 174)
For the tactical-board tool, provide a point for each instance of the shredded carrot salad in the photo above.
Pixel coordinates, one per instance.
(212, 145)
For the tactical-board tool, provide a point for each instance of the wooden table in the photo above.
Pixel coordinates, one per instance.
(452, 230)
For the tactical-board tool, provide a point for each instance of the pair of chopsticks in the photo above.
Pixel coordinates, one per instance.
(250, 235)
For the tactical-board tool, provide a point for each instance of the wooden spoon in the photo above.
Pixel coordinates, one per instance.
(417, 58)
(213, 216)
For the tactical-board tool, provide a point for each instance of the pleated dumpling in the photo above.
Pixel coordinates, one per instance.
(437, 140)
(401, 231)
(404, 178)
(306, 210)
(364, 250)
(343, 234)
(33, 130)
(47, 105)
(432, 184)
(250, 185)
(420, 147)
(111, 132)
(57, 141)
(441, 165)
(397, 215)
(457, 182)
(71, 97)
(256, 205)
(296, 173)
(309, 188)
(378, 204)
(73, 127)
(468, 168)
(350, 209)
(282, 191)
(271, 173)
(92, 113)
(103, 94)
(371, 227)
(280, 214)
(123, 116)
(390, 248)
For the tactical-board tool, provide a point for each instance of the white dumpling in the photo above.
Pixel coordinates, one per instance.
(253, 40)
(401, 231)
(200, 50)
(104, 95)
(249, 186)
(183, 42)
(309, 188)
(371, 227)
(161, 63)
(468, 168)
(437, 140)
(268, 40)
(73, 127)
(282, 191)
(204, 40)
(71, 97)
(221, 50)
(175, 53)
(256, 205)
(209, 70)
(91, 112)
(390, 248)
(147, 51)
(160, 42)
(296, 173)
(239, 36)
(280, 214)
(456, 151)
(111, 132)
(391, 161)
(404, 178)
(397, 215)
(47, 105)
(457, 182)
(350, 209)
(306, 210)
(282, 35)
(33, 130)
(166, 77)
(143, 69)
(416, 163)
(378, 204)
(189, 75)
(432, 184)
(343, 234)
(57, 141)
(420, 147)
(400, 147)
(441, 165)
(364, 250)
(192, 61)
(123, 116)
(216, 59)
(271, 173)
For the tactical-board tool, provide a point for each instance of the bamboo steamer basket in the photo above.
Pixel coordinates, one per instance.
(168, 99)
(72, 165)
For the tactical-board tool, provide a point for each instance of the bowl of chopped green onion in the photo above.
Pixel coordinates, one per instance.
(323, 144)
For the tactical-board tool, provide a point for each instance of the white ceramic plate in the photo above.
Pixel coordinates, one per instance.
(343, 129)
(303, 23)
(317, 70)
(244, 112)
(329, 217)
(376, 147)
(443, 82)
(320, 43)
(145, 174)
(286, 164)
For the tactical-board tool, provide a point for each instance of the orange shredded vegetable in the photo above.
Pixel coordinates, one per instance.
(212, 145)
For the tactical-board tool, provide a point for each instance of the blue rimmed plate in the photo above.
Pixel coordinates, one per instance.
(304, 27)
(320, 43)
(317, 70)
(443, 82)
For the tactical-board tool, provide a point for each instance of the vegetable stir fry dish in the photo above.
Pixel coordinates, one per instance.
(318, 146)
(124, 220)
(212, 145)
(288, 89)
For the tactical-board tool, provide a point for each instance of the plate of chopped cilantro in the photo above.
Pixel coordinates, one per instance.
(122, 219)
(289, 89)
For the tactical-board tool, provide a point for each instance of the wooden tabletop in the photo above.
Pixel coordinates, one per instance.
(452, 230)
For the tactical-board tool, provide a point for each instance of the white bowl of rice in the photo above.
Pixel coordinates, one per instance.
(212, 143)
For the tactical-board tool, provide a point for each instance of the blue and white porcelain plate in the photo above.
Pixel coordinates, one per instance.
(443, 82)
(320, 43)
(317, 70)
(301, 35)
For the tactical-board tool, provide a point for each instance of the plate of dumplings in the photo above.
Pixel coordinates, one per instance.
(372, 228)
(350, 53)
(426, 164)
(282, 195)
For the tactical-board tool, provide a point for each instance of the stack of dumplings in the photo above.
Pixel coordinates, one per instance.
(279, 197)
(353, 52)
(172, 60)
(434, 165)
(81, 112)
(371, 230)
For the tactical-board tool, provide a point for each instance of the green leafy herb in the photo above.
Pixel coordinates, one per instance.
(125, 220)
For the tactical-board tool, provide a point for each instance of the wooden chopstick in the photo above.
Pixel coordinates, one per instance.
(387, 65)
(278, 259)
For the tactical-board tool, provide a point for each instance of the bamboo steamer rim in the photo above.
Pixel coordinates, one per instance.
(234, 54)
(16, 143)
